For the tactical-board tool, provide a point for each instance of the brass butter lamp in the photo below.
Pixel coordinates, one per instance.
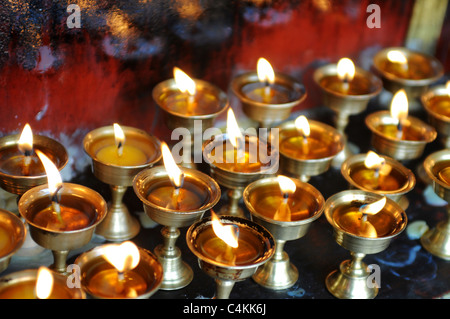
(346, 90)
(61, 216)
(174, 197)
(397, 134)
(437, 239)
(267, 97)
(379, 174)
(12, 237)
(436, 102)
(188, 103)
(307, 148)
(118, 153)
(286, 208)
(229, 249)
(235, 160)
(410, 70)
(363, 223)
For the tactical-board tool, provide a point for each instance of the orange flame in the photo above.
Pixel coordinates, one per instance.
(26, 139)
(225, 232)
(183, 81)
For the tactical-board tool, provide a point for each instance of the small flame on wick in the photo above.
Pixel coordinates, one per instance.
(397, 56)
(228, 233)
(399, 106)
(345, 70)
(44, 283)
(53, 176)
(25, 142)
(183, 81)
(174, 172)
(233, 130)
(119, 137)
(373, 160)
(265, 71)
(373, 208)
(302, 125)
(287, 185)
(123, 257)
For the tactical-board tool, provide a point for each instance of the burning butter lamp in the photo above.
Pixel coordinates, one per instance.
(186, 101)
(436, 102)
(379, 174)
(437, 239)
(286, 208)
(346, 90)
(307, 148)
(398, 135)
(61, 216)
(12, 237)
(236, 160)
(118, 153)
(402, 68)
(229, 249)
(20, 167)
(363, 223)
(174, 197)
(37, 284)
(267, 97)
(119, 271)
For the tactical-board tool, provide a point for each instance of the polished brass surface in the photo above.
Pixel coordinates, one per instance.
(345, 105)
(176, 120)
(23, 276)
(304, 169)
(437, 239)
(235, 182)
(119, 225)
(404, 174)
(351, 280)
(268, 114)
(226, 275)
(16, 234)
(19, 184)
(397, 148)
(61, 242)
(439, 121)
(177, 274)
(92, 261)
(279, 272)
(414, 88)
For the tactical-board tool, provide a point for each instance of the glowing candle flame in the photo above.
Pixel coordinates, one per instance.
(225, 232)
(233, 130)
(265, 71)
(183, 81)
(25, 142)
(53, 176)
(373, 160)
(119, 138)
(399, 106)
(174, 172)
(287, 185)
(397, 56)
(123, 257)
(447, 87)
(44, 283)
(345, 70)
(302, 125)
(373, 208)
